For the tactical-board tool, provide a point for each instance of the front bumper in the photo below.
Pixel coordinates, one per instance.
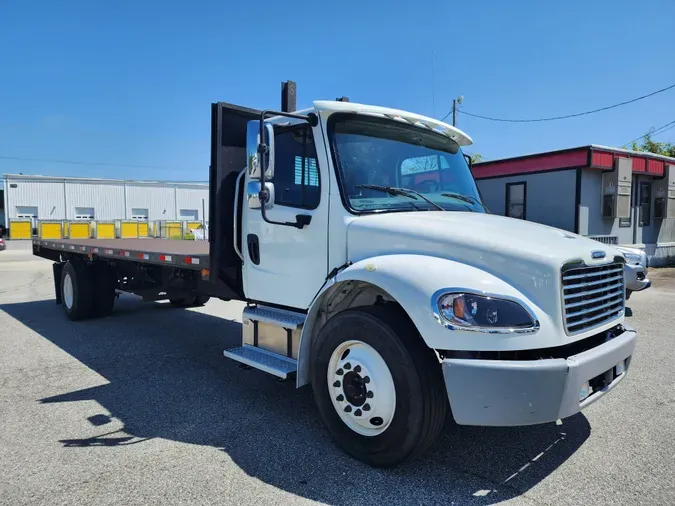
(526, 392)
(636, 278)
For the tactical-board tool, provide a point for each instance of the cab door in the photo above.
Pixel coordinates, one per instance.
(283, 264)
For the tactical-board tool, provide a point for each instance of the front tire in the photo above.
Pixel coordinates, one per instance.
(183, 301)
(200, 300)
(378, 387)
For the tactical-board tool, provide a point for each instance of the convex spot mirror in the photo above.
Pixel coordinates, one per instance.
(253, 195)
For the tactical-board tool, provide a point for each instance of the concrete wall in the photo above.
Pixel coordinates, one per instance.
(57, 198)
(550, 196)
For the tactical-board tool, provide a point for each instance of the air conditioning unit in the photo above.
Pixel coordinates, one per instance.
(664, 194)
(616, 189)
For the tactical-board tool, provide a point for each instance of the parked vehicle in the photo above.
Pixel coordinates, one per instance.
(2, 243)
(637, 265)
(372, 272)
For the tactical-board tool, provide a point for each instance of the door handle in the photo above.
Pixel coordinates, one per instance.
(253, 248)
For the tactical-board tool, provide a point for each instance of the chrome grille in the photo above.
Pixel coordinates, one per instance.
(592, 295)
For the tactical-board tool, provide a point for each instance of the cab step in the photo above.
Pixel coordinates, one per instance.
(267, 361)
(278, 317)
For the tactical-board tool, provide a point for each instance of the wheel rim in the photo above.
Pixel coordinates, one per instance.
(361, 388)
(68, 291)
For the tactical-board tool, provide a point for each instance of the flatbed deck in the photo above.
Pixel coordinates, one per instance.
(186, 254)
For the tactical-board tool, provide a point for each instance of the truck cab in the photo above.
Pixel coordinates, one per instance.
(373, 272)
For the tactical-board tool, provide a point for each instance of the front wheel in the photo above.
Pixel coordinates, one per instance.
(183, 301)
(378, 387)
(200, 300)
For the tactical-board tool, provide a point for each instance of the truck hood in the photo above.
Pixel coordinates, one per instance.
(524, 254)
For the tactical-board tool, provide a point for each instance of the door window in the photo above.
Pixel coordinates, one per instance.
(516, 194)
(645, 203)
(296, 172)
(189, 214)
(25, 212)
(84, 213)
(139, 214)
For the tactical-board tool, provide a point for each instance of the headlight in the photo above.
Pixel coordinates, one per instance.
(633, 258)
(484, 313)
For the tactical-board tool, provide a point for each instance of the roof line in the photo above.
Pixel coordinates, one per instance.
(643, 154)
(630, 151)
(531, 155)
(101, 180)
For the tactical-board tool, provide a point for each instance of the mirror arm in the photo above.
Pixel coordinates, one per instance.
(301, 220)
(469, 161)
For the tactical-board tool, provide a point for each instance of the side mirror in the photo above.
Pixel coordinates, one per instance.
(253, 195)
(253, 154)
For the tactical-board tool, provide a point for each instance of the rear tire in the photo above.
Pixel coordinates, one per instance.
(76, 290)
(412, 370)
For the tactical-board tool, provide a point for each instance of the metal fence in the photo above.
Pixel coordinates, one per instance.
(119, 229)
(605, 239)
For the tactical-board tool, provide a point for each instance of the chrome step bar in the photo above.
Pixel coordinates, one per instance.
(264, 360)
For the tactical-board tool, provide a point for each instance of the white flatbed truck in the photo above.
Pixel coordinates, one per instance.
(373, 272)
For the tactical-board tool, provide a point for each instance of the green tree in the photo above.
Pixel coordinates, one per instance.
(476, 157)
(648, 145)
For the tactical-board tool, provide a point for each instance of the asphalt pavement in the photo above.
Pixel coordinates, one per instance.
(142, 408)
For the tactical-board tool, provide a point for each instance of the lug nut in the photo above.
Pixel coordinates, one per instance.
(357, 368)
(366, 379)
(339, 372)
(370, 394)
(357, 412)
(340, 398)
(347, 366)
(336, 384)
(348, 409)
(366, 407)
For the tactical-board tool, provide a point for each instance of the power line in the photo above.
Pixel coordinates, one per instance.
(102, 164)
(652, 133)
(553, 118)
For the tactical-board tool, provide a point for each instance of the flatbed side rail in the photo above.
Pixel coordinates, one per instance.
(196, 262)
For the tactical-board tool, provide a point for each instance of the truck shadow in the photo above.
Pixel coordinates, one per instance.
(168, 379)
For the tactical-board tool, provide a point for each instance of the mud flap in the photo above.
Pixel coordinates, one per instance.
(56, 269)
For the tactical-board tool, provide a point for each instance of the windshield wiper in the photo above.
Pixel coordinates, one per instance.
(465, 198)
(391, 190)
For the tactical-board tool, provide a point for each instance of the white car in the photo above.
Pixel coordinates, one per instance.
(636, 270)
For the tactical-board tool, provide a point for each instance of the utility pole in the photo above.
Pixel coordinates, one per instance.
(455, 103)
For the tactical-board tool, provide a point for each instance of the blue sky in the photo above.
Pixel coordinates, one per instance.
(130, 82)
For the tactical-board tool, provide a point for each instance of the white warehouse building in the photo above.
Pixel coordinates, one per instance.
(72, 198)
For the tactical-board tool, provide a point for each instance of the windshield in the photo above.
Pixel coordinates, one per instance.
(381, 152)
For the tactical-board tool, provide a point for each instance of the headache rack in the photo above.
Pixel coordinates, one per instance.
(592, 295)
